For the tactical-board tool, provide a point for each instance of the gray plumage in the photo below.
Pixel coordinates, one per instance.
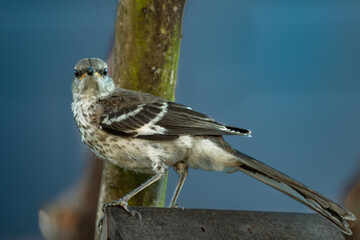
(148, 134)
(177, 119)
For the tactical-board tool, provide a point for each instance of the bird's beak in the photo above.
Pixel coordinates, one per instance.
(90, 74)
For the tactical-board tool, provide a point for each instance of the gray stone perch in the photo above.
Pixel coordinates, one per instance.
(172, 224)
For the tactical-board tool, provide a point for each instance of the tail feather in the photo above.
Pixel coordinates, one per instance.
(336, 214)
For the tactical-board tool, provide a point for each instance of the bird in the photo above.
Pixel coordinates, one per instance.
(148, 134)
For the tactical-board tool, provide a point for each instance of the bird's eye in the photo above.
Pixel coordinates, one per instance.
(76, 73)
(105, 71)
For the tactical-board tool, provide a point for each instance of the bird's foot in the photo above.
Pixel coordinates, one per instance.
(177, 205)
(122, 202)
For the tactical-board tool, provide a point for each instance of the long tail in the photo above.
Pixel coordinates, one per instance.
(336, 214)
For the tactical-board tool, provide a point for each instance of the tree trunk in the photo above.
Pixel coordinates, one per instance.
(147, 45)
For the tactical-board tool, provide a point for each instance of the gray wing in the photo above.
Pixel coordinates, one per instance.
(151, 117)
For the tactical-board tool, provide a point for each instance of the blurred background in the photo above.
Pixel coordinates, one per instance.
(287, 70)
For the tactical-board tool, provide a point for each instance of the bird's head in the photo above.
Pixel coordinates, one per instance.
(91, 78)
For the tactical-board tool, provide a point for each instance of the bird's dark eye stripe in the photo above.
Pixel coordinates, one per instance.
(77, 72)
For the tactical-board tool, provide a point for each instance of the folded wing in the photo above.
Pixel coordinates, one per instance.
(155, 118)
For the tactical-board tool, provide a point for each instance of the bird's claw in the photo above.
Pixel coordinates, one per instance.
(122, 202)
(177, 205)
(100, 223)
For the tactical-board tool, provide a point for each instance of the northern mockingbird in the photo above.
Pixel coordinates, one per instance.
(148, 134)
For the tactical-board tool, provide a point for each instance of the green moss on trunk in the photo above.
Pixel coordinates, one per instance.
(147, 46)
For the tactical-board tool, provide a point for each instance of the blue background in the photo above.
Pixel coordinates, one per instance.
(287, 70)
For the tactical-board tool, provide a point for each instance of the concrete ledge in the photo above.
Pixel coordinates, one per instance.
(166, 223)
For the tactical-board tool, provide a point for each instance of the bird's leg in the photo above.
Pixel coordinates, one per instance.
(123, 201)
(181, 168)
